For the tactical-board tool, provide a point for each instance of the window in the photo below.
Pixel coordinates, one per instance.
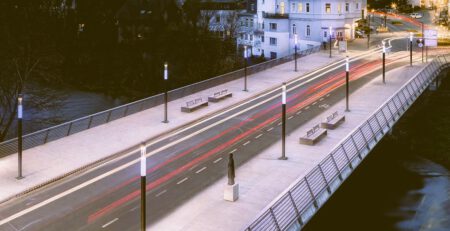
(262, 39)
(308, 30)
(251, 22)
(246, 22)
(357, 6)
(252, 6)
(246, 36)
(273, 41)
(339, 10)
(273, 26)
(325, 34)
(217, 18)
(251, 37)
(242, 36)
(273, 55)
(307, 7)
(300, 7)
(262, 25)
(327, 8)
(263, 1)
(294, 29)
(347, 7)
(293, 7)
(282, 7)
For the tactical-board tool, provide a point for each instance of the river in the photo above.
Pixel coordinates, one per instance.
(404, 183)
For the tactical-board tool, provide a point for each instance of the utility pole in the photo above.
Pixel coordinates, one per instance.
(166, 78)
(423, 41)
(143, 186)
(19, 136)
(283, 122)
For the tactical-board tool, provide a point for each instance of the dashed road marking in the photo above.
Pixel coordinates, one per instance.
(258, 136)
(314, 103)
(161, 193)
(270, 129)
(216, 161)
(290, 117)
(327, 95)
(200, 170)
(321, 99)
(183, 180)
(246, 143)
(134, 208)
(299, 112)
(234, 150)
(109, 223)
(279, 123)
(306, 108)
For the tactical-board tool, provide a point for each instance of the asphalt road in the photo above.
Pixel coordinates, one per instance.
(185, 162)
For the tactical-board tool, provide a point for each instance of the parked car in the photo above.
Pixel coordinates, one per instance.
(359, 34)
(415, 15)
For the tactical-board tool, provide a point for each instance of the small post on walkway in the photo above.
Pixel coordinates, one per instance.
(295, 50)
(283, 123)
(368, 34)
(347, 76)
(231, 192)
(166, 78)
(410, 47)
(384, 61)
(245, 68)
(385, 20)
(423, 41)
(330, 39)
(19, 136)
(143, 184)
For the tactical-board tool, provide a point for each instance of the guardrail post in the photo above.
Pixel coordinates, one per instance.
(337, 168)
(68, 130)
(390, 111)
(46, 136)
(109, 116)
(311, 193)
(346, 156)
(378, 122)
(300, 221)
(373, 133)
(356, 147)
(365, 139)
(325, 179)
(385, 118)
(274, 219)
(90, 122)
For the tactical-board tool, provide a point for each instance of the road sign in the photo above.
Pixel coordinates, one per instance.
(420, 44)
(431, 37)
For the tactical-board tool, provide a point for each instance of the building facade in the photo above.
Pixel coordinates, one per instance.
(270, 29)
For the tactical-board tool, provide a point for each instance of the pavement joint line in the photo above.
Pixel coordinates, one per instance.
(246, 143)
(270, 129)
(259, 136)
(307, 77)
(110, 222)
(216, 161)
(161, 193)
(183, 180)
(290, 117)
(200, 170)
(234, 150)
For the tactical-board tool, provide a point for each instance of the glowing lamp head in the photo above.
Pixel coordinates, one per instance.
(143, 160)
(19, 99)
(245, 51)
(295, 39)
(166, 71)
(411, 36)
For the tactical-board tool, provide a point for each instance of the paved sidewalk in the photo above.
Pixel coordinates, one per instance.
(264, 177)
(55, 159)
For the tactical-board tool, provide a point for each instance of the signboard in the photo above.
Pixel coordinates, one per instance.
(343, 46)
(431, 37)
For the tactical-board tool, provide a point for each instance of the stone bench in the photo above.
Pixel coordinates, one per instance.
(194, 105)
(220, 95)
(333, 121)
(313, 135)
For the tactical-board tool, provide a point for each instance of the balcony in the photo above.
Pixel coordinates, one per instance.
(275, 15)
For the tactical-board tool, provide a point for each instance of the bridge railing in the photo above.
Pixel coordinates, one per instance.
(69, 128)
(295, 206)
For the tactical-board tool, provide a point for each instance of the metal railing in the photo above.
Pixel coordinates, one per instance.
(69, 128)
(295, 206)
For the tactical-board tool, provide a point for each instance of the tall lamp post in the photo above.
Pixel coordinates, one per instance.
(331, 28)
(347, 76)
(19, 136)
(143, 184)
(423, 41)
(384, 60)
(295, 50)
(283, 122)
(245, 68)
(410, 47)
(166, 78)
(368, 34)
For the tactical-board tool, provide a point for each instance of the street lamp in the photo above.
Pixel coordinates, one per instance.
(19, 136)
(295, 50)
(368, 34)
(166, 78)
(423, 41)
(347, 75)
(410, 47)
(143, 185)
(373, 14)
(384, 58)
(331, 28)
(245, 68)
(283, 122)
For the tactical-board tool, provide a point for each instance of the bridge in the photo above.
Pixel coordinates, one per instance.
(85, 173)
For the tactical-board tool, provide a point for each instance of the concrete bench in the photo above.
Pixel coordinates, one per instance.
(332, 121)
(194, 105)
(220, 95)
(313, 135)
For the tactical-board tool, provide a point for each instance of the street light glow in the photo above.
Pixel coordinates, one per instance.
(283, 94)
(19, 110)
(410, 36)
(245, 51)
(347, 64)
(166, 72)
(143, 161)
(384, 46)
(295, 39)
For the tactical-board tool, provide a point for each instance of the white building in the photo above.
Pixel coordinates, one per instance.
(276, 21)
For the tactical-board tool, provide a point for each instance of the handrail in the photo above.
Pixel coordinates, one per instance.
(294, 206)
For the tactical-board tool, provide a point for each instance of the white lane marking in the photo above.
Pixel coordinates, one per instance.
(134, 208)
(183, 180)
(279, 123)
(161, 193)
(270, 129)
(299, 112)
(200, 170)
(246, 143)
(290, 117)
(327, 95)
(258, 136)
(109, 223)
(321, 71)
(314, 103)
(28, 225)
(216, 161)
(306, 108)
(234, 150)
(321, 99)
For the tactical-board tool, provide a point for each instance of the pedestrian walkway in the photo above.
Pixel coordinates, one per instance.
(46, 163)
(265, 177)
